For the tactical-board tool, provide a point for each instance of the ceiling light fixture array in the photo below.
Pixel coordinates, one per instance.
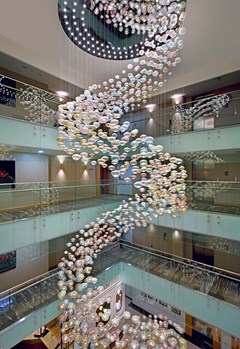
(154, 24)
(90, 127)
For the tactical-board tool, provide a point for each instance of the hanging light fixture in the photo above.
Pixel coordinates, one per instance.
(158, 177)
(120, 30)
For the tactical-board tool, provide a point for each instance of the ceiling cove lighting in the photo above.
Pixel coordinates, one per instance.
(91, 126)
(122, 29)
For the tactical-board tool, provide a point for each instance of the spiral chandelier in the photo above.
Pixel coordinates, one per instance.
(90, 130)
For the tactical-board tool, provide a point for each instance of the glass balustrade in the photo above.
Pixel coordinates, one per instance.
(214, 196)
(19, 301)
(24, 200)
(197, 115)
(26, 102)
(29, 296)
(213, 281)
(34, 294)
(53, 249)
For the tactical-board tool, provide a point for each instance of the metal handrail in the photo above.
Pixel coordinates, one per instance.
(26, 284)
(170, 108)
(42, 277)
(107, 250)
(28, 85)
(186, 261)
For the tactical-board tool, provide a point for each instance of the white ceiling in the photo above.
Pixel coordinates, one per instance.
(31, 32)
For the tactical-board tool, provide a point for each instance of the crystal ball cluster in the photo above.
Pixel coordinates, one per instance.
(90, 130)
(141, 16)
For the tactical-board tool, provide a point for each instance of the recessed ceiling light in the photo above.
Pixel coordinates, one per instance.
(62, 93)
(40, 151)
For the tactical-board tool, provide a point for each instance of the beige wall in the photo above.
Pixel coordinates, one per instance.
(153, 237)
(35, 168)
(227, 172)
(67, 173)
(227, 261)
(23, 273)
(29, 168)
(64, 168)
(180, 244)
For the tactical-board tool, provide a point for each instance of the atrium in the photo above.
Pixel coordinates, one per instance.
(119, 174)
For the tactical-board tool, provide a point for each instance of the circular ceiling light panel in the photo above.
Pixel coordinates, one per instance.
(118, 29)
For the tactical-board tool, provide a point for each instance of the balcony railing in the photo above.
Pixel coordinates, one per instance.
(203, 114)
(22, 101)
(18, 302)
(214, 196)
(25, 200)
(213, 281)
(26, 102)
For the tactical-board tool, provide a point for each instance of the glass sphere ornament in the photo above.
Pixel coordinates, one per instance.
(91, 129)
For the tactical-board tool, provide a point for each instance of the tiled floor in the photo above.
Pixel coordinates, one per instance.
(52, 339)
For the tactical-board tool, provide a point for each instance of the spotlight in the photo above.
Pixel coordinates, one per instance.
(177, 97)
(150, 107)
(62, 93)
